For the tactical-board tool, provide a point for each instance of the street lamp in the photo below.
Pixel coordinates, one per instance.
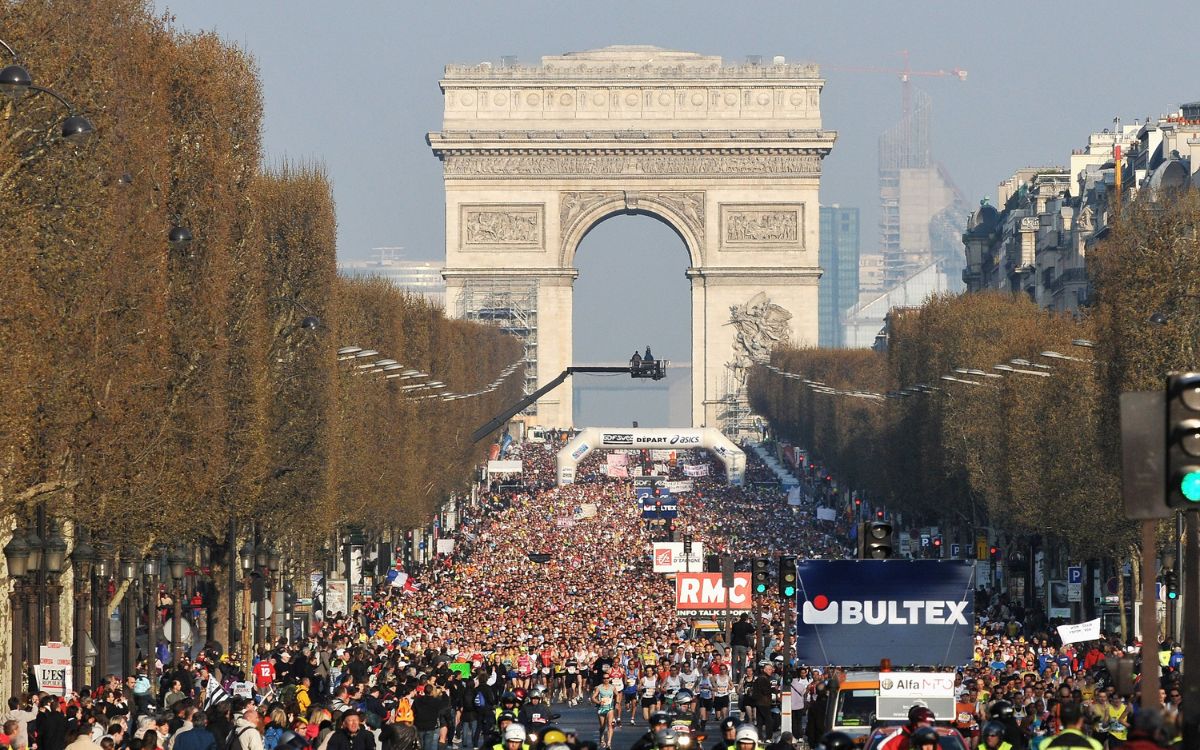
(177, 559)
(179, 237)
(16, 82)
(82, 559)
(127, 571)
(16, 556)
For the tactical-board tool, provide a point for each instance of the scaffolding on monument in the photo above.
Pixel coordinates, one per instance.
(736, 418)
(511, 306)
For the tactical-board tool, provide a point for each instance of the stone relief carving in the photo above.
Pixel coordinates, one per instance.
(573, 205)
(688, 206)
(761, 326)
(565, 165)
(505, 226)
(749, 225)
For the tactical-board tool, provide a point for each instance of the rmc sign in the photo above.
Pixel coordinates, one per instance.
(703, 593)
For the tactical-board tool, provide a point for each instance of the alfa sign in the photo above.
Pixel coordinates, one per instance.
(702, 593)
(900, 691)
(857, 612)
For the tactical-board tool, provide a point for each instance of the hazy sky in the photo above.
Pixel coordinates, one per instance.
(354, 85)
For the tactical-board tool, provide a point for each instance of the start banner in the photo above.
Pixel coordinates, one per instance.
(858, 612)
(703, 594)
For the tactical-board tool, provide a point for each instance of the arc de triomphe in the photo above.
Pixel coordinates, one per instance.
(728, 156)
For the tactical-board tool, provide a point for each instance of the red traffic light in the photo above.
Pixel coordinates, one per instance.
(857, 502)
(879, 514)
(994, 551)
(937, 541)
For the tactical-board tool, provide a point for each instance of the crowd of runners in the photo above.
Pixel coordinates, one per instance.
(491, 644)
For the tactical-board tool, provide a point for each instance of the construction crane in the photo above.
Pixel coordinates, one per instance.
(905, 74)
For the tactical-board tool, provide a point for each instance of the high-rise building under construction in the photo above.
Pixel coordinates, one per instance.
(922, 212)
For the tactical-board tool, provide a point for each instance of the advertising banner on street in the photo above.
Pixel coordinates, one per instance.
(54, 668)
(679, 485)
(504, 467)
(618, 464)
(695, 470)
(337, 597)
(1079, 632)
(900, 691)
(699, 594)
(857, 612)
(661, 455)
(674, 557)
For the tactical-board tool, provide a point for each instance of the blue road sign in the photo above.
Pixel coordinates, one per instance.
(955, 550)
(1075, 574)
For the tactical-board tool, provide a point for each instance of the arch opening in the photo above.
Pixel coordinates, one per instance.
(631, 292)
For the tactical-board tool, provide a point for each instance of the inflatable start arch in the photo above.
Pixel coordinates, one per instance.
(665, 438)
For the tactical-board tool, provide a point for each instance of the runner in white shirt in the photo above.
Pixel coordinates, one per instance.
(648, 689)
(721, 685)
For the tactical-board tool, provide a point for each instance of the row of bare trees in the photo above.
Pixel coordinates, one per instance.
(154, 393)
(1021, 452)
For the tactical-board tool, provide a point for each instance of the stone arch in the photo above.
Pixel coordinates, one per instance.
(728, 156)
(682, 212)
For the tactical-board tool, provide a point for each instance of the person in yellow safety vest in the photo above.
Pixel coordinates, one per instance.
(1072, 735)
(514, 739)
(508, 705)
(993, 736)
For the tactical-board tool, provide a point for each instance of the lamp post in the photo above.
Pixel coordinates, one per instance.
(246, 559)
(82, 558)
(177, 560)
(101, 573)
(54, 554)
(273, 562)
(16, 556)
(150, 575)
(35, 599)
(128, 571)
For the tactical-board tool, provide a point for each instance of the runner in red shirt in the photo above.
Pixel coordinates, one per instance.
(264, 674)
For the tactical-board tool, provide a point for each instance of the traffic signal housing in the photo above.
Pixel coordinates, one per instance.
(761, 575)
(1183, 440)
(994, 552)
(877, 541)
(787, 577)
(1171, 584)
(936, 543)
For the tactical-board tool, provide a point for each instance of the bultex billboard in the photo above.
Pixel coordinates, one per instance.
(858, 612)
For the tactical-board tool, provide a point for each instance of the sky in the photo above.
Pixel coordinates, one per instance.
(354, 85)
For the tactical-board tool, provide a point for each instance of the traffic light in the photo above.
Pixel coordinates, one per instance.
(712, 563)
(857, 503)
(787, 576)
(761, 577)
(1183, 440)
(877, 541)
(879, 515)
(1171, 584)
(994, 552)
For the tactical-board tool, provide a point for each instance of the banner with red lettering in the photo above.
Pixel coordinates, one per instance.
(704, 594)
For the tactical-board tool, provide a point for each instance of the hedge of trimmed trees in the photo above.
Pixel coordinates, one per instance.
(1023, 453)
(151, 394)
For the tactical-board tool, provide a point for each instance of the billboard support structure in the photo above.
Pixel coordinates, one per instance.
(615, 438)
